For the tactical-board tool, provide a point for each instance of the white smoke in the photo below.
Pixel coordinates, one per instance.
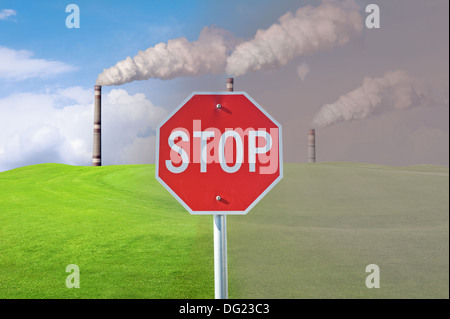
(395, 90)
(176, 58)
(309, 30)
(303, 70)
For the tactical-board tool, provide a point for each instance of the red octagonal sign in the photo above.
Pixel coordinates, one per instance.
(219, 153)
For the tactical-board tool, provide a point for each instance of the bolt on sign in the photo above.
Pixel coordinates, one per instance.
(219, 153)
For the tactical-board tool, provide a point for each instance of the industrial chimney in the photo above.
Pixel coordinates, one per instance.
(230, 84)
(97, 151)
(312, 146)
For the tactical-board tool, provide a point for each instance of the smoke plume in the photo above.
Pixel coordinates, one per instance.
(395, 90)
(309, 30)
(177, 57)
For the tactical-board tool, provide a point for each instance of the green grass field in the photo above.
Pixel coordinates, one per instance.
(312, 236)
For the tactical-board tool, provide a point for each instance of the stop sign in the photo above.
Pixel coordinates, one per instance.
(219, 153)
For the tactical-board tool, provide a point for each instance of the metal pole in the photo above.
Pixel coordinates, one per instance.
(220, 257)
(220, 243)
(230, 85)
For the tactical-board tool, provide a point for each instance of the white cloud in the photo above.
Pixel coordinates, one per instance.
(141, 151)
(77, 94)
(57, 127)
(127, 121)
(6, 13)
(20, 65)
(303, 70)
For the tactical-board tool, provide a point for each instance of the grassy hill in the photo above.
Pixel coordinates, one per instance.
(312, 236)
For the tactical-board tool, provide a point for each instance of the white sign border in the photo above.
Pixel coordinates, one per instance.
(280, 148)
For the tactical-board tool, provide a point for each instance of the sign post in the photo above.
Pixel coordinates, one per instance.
(220, 257)
(220, 242)
(219, 153)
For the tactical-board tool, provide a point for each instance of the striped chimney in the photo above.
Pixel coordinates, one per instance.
(312, 146)
(97, 151)
(230, 84)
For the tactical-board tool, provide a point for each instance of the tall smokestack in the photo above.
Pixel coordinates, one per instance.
(97, 151)
(312, 146)
(230, 85)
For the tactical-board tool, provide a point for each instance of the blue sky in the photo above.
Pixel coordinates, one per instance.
(51, 71)
(112, 30)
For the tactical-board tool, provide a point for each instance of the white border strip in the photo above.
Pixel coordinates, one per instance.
(280, 148)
